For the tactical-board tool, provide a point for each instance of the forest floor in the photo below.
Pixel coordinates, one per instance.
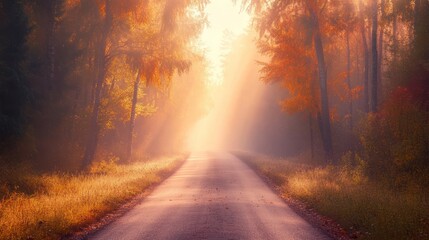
(61, 204)
(344, 202)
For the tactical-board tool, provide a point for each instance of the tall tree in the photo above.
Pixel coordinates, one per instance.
(312, 12)
(365, 56)
(13, 88)
(315, 11)
(350, 22)
(111, 45)
(381, 34)
(102, 61)
(167, 50)
(374, 52)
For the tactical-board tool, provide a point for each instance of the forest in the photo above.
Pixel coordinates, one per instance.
(358, 70)
(103, 84)
(78, 75)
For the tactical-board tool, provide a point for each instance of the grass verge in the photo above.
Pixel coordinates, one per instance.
(64, 202)
(367, 209)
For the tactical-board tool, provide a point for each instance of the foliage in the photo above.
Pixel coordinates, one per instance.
(17, 178)
(58, 66)
(64, 202)
(395, 140)
(365, 208)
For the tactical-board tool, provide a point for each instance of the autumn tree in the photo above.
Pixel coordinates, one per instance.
(374, 52)
(111, 46)
(167, 50)
(312, 13)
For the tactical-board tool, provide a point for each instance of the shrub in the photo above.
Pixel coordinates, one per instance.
(395, 141)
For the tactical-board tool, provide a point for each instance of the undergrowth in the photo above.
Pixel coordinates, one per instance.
(56, 204)
(376, 210)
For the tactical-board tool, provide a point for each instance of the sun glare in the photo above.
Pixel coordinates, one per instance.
(225, 22)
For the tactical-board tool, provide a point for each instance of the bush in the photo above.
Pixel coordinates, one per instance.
(395, 141)
(17, 178)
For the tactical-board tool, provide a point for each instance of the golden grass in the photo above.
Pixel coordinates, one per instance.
(348, 197)
(66, 202)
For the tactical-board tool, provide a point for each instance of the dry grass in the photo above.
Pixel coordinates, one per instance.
(347, 196)
(66, 202)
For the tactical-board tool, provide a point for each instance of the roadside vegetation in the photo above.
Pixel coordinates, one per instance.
(367, 209)
(51, 205)
(361, 86)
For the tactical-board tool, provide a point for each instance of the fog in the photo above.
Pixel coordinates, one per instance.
(245, 112)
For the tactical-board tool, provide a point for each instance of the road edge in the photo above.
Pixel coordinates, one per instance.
(326, 225)
(92, 228)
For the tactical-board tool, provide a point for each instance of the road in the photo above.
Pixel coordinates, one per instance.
(212, 196)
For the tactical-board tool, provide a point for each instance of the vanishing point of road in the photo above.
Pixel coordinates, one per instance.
(212, 196)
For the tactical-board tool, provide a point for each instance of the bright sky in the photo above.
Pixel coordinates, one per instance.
(225, 21)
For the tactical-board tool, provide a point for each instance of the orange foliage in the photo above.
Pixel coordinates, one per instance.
(286, 37)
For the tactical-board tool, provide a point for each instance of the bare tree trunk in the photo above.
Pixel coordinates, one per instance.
(380, 51)
(128, 156)
(366, 61)
(92, 142)
(349, 84)
(417, 5)
(374, 87)
(310, 125)
(395, 33)
(53, 6)
(358, 70)
(95, 63)
(325, 118)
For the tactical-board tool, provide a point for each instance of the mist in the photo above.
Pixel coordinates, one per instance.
(245, 113)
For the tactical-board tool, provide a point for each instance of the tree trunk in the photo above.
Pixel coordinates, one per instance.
(395, 33)
(380, 51)
(94, 127)
(366, 61)
(128, 156)
(51, 51)
(325, 118)
(358, 69)
(416, 14)
(374, 77)
(310, 125)
(349, 84)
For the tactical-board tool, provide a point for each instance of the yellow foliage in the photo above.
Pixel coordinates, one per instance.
(347, 196)
(66, 202)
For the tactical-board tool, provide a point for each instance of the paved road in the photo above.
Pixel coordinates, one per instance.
(212, 196)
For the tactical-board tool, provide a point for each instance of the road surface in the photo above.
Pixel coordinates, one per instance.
(212, 196)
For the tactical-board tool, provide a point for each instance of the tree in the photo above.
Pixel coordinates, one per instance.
(276, 15)
(366, 57)
(374, 51)
(167, 50)
(48, 16)
(346, 22)
(13, 86)
(102, 62)
(113, 45)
